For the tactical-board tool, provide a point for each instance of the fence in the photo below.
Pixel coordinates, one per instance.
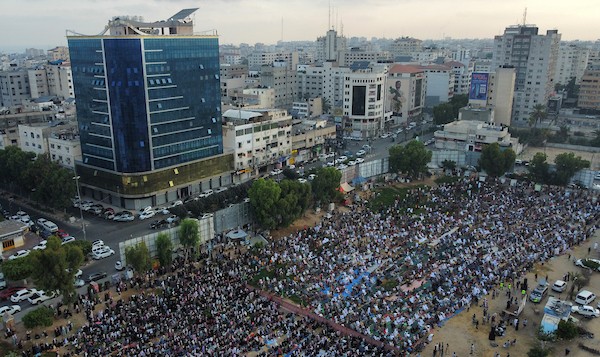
(295, 309)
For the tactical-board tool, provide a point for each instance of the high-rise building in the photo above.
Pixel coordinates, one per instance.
(149, 111)
(571, 62)
(534, 58)
(14, 88)
(589, 90)
(59, 53)
(283, 80)
(329, 46)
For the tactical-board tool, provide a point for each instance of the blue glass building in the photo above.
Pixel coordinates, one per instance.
(148, 100)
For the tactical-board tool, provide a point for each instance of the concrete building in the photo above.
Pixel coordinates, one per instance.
(38, 82)
(34, 137)
(405, 46)
(407, 87)
(571, 62)
(64, 147)
(149, 111)
(462, 75)
(313, 107)
(14, 88)
(326, 81)
(329, 47)
(364, 101)
(309, 138)
(9, 125)
(257, 60)
(589, 89)
(348, 57)
(11, 234)
(473, 136)
(60, 79)
(259, 139)
(440, 84)
(283, 80)
(501, 94)
(534, 58)
(58, 53)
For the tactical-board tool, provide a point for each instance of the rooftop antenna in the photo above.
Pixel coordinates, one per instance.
(281, 28)
(525, 17)
(329, 17)
(336, 18)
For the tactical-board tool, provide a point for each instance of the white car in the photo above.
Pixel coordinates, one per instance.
(276, 172)
(221, 189)
(147, 208)
(302, 180)
(97, 243)
(39, 297)
(78, 283)
(359, 160)
(119, 265)
(172, 219)
(559, 286)
(385, 135)
(41, 245)
(341, 159)
(330, 164)
(124, 217)
(585, 262)
(104, 253)
(342, 167)
(22, 295)
(67, 239)
(361, 153)
(176, 203)
(24, 217)
(586, 311)
(312, 176)
(206, 193)
(19, 254)
(10, 309)
(147, 214)
(163, 210)
(351, 163)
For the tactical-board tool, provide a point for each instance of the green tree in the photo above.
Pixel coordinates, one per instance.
(189, 235)
(567, 330)
(138, 257)
(13, 163)
(567, 165)
(539, 170)
(290, 174)
(264, 196)
(412, 158)
(496, 162)
(17, 269)
(538, 114)
(538, 351)
(293, 201)
(325, 185)
(445, 113)
(42, 316)
(84, 245)
(164, 249)
(54, 268)
(449, 165)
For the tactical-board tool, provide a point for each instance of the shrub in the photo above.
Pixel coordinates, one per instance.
(42, 316)
(567, 330)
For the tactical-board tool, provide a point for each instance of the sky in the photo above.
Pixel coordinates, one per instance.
(42, 23)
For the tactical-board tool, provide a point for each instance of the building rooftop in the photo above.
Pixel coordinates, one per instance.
(405, 68)
(10, 227)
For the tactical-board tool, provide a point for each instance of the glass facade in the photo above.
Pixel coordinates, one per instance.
(158, 104)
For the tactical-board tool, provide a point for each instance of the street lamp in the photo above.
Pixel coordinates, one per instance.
(76, 178)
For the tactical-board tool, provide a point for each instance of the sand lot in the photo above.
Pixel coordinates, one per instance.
(459, 332)
(551, 153)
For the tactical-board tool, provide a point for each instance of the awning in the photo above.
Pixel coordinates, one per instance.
(346, 188)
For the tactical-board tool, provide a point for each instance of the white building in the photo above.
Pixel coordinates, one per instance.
(326, 81)
(34, 137)
(329, 46)
(38, 82)
(466, 135)
(60, 80)
(406, 90)
(283, 80)
(260, 139)
(364, 101)
(14, 88)
(348, 57)
(534, 57)
(258, 59)
(58, 53)
(571, 62)
(405, 46)
(462, 75)
(440, 84)
(64, 148)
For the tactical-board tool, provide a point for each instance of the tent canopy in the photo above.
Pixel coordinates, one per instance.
(346, 188)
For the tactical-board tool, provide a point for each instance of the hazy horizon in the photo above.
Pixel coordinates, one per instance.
(43, 24)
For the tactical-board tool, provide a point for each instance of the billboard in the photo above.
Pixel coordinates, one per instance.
(479, 86)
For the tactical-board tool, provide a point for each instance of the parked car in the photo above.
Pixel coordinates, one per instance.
(2, 282)
(163, 210)
(312, 176)
(589, 263)
(95, 276)
(173, 219)
(586, 311)
(176, 203)
(98, 243)
(302, 180)
(78, 283)
(6, 294)
(351, 162)
(276, 172)
(220, 189)
(559, 286)
(10, 309)
(103, 253)
(585, 297)
(124, 216)
(147, 214)
(538, 293)
(47, 225)
(68, 239)
(22, 294)
(19, 254)
(23, 216)
(62, 234)
(159, 224)
(361, 153)
(41, 245)
(108, 213)
(119, 265)
(359, 160)
(341, 159)
(40, 296)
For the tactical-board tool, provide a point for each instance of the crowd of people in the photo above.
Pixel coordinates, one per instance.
(396, 273)
(390, 275)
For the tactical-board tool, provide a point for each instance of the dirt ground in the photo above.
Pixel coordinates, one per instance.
(551, 153)
(459, 332)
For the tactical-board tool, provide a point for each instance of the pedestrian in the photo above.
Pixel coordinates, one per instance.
(472, 348)
(524, 323)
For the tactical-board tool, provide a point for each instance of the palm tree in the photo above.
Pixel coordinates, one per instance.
(537, 115)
